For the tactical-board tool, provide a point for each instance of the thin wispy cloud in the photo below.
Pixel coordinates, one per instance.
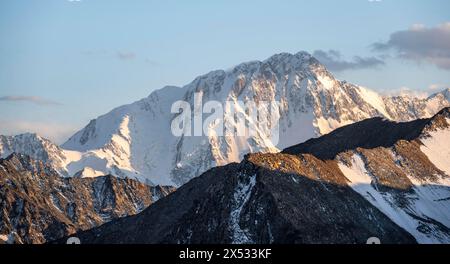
(29, 99)
(333, 60)
(151, 62)
(420, 44)
(125, 56)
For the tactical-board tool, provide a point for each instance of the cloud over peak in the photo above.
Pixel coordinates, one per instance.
(333, 60)
(421, 44)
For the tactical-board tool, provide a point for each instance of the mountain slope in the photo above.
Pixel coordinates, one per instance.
(36, 147)
(401, 168)
(37, 205)
(268, 198)
(396, 188)
(135, 140)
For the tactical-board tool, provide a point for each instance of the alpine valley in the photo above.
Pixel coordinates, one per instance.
(369, 165)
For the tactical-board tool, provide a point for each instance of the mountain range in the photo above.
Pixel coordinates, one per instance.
(135, 140)
(368, 165)
(380, 179)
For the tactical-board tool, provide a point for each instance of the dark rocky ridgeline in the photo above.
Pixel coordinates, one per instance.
(37, 205)
(368, 134)
(267, 198)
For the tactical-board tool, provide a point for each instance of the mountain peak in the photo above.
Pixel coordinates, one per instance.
(445, 111)
(27, 136)
(446, 93)
(35, 146)
(137, 141)
(286, 56)
(280, 62)
(22, 162)
(439, 121)
(299, 61)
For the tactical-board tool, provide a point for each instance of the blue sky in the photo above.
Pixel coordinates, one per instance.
(64, 62)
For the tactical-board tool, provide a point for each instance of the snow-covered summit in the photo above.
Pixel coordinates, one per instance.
(34, 146)
(135, 140)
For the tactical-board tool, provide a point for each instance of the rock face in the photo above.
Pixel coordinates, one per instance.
(392, 182)
(401, 168)
(135, 140)
(36, 147)
(37, 205)
(268, 198)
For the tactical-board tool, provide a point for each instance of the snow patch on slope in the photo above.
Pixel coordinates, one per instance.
(88, 172)
(241, 196)
(437, 148)
(375, 100)
(327, 125)
(427, 205)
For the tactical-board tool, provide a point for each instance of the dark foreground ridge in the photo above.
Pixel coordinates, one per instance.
(252, 203)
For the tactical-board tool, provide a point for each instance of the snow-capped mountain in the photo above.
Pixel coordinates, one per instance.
(36, 147)
(66, 162)
(135, 140)
(373, 178)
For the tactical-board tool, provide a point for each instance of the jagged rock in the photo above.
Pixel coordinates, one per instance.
(37, 205)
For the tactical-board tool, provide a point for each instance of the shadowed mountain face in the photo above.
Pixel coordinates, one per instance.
(37, 205)
(371, 179)
(370, 133)
(401, 168)
(257, 201)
